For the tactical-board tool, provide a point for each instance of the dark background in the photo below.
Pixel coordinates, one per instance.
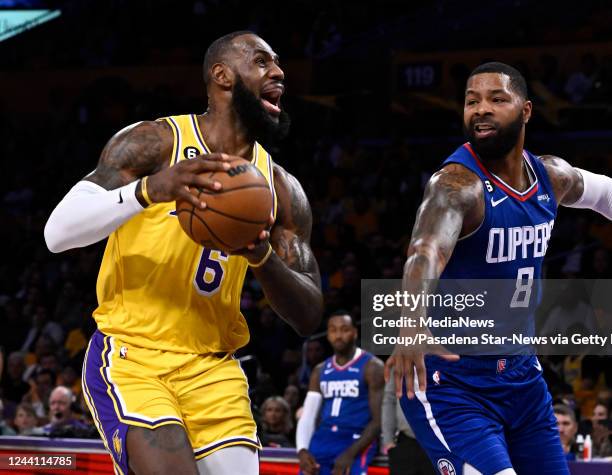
(375, 93)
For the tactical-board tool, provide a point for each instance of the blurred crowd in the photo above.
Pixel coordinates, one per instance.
(364, 191)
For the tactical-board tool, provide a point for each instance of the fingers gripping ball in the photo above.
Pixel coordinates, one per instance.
(235, 215)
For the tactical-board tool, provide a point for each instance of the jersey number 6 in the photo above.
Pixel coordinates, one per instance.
(209, 274)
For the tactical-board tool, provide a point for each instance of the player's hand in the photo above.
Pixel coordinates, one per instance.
(173, 182)
(308, 464)
(257, 250)
(410, 360)
(343, 463)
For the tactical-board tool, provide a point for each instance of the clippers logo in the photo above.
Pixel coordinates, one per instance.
(436, 377)
(446, 467)
(123, 352)
(501, 365)
(117, 444)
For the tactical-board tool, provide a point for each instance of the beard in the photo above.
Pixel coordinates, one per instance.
(499, 144)
(259, 124)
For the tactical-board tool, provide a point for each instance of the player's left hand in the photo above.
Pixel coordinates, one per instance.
(257, 250)
(343, 463)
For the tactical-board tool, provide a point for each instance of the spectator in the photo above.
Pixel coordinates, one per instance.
(598, 426)
(276, 423)
(314, 353)
(13, 385)
(292, 396)
(41, 386)
(60, 411)
(406, 457)
(5, 429)
(42, 326)
(26, 420)
(566, 423)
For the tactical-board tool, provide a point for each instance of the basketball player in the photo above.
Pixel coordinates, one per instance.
(349, 385)
(159, 375)
(489, 415)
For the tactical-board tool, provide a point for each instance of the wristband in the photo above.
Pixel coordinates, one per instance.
(143, 189)
(264, 259)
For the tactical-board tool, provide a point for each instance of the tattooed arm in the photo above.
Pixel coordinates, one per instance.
(112, 193)
(453, 206)
(290, 277)
(577, 188)
(566, 180)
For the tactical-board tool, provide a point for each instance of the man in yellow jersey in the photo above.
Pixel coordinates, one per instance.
(159, 375)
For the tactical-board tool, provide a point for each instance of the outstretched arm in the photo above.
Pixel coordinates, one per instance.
(577, 188)
(452, 206)
(113, 192)
(290, 276)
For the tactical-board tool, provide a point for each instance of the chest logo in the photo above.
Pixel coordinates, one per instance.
(494, 203)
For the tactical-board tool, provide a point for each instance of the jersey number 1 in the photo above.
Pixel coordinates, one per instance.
(210, 272)
(335, 409)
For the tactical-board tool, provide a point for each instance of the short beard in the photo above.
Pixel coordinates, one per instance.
(498, 146)
(258, 123)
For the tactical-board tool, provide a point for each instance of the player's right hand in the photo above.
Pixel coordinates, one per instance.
(173, 182)
(410, 360)
(308, 464)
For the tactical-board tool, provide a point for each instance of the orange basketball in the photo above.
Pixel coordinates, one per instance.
(235, 215)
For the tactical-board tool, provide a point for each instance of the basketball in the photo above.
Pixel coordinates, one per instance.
(235, 215)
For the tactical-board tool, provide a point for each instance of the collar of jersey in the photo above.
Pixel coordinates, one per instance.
(519, 195)
(200, 137)
(358, 354)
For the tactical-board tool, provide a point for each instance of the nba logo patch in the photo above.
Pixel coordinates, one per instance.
(117, 444)
(501, 365)
(123, 352)
(436, 377)
(446, 467)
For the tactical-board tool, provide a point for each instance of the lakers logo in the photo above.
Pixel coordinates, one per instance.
(117, 444)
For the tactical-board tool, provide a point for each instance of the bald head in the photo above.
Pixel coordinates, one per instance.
(219, 49)
(59, 404)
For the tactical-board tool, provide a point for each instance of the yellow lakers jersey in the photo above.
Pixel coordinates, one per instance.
(159, 289)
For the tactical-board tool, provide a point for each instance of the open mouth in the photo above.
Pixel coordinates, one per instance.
(270, 99)
(483, 130)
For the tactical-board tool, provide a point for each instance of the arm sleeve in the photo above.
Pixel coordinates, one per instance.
(89, 213)
(306, 424)
(597, 193)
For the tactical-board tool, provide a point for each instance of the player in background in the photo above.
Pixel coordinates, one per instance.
(488, 415)
(349, 387)
(159, 375)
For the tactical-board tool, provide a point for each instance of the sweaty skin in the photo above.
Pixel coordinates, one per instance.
(453, 206)
(289, 278)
